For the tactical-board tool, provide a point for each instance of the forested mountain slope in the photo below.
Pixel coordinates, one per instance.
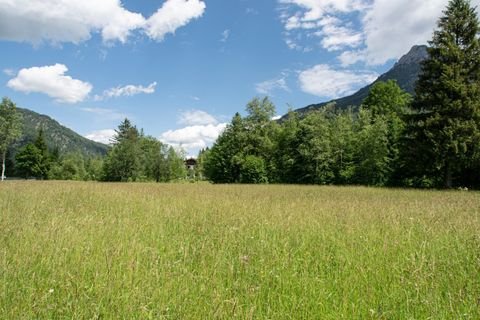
(405, 72)
(56, 135)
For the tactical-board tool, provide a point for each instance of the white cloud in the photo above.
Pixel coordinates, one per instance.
(314, 10)
(59, 21)
(392, 27)
(323, 81)
(347, 58)
(371, 31)
(225, 35)
(108, 114)
(321, 19)
(200, 131)
(74, 21)
(9, 72)
(193, 138)
(103, 136)
(173, 15)
(52, 81)
(336, 37)
(129, 90)
(269, 86)
(196, 117)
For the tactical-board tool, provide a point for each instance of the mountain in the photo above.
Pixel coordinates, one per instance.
(56, 135)
(405, 72)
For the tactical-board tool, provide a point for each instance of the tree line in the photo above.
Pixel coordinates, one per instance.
(430, 140)
(393, 139)
(133, 156)
(136, 157)
(328, 146)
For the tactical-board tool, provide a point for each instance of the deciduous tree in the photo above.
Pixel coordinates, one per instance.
(10, 128)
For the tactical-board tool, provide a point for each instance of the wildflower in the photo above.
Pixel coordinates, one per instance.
(245, 259)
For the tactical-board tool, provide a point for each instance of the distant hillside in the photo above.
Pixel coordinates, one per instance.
(56, 135)
(405, 72)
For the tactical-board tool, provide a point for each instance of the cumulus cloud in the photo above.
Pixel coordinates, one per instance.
(200, 131)
(347, 58)
(315, 9)
(319, 18)
(193, 138)
(323, 81)
(196, 117)
(52, 81)
(56, 21)
(336, 37)
(129, 90)
(392, 27)
(75, 21)
(368, 31)
(103, 136)
(269, 86)
(173, 15)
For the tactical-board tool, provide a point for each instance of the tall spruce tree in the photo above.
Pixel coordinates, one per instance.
(41, 145)
(122, 162)
(29, 162)
(33, 160)
(447, 122)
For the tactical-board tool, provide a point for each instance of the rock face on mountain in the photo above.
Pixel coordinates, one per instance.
(405, 72)
(56, 135)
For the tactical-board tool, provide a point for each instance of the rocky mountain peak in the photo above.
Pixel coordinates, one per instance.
(415, 56)
(406, 72)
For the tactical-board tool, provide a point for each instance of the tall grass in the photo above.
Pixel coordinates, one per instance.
(154, 251)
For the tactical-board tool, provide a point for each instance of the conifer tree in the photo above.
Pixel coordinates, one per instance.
(41, 145)
(29, 162)
(122, 161)
(33, 160)
(447, 102)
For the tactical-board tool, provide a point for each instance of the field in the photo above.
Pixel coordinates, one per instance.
(200, 251)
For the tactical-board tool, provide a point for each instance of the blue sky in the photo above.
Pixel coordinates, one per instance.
(180, 69)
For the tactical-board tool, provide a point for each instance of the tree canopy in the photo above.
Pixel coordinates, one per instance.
(10, 129)
(136, 157)
(446, 126)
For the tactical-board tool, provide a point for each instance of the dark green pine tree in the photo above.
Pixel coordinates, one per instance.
(122, 162)
(33, 160)
(446, 129)
(44, 160)
(29, 162)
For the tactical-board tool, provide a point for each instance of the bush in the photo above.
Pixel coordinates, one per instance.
(253, 170)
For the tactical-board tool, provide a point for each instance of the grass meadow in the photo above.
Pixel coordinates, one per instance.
(200, 251)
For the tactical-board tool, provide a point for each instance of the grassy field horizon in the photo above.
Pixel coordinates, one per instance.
(201, 251)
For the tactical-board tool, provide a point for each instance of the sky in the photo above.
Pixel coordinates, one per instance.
(180, 69)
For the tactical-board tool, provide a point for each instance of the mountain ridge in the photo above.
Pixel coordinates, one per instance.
(406, 72)
(56, 135)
